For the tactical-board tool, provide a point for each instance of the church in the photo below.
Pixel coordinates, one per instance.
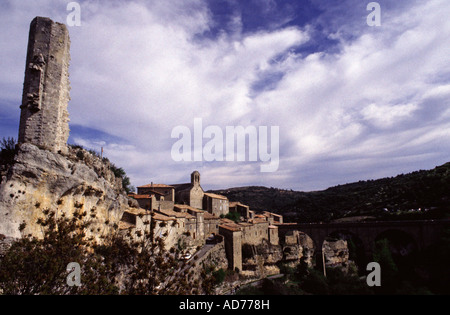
(191, 194)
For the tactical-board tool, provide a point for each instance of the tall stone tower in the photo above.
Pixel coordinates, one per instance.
(44, 119)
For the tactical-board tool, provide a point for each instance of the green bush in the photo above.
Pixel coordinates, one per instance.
(35, 266)
(120, 173)
(234, 216)
(219, 275)
(7, 151)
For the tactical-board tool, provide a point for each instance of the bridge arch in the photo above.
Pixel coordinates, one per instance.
(419, 233)
(401, 243)
(402, 246)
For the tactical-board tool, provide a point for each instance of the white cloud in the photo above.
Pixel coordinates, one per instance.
(141, 68)
(387, 116)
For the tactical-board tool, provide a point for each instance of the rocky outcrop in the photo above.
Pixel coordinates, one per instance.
(40, 179)
(261, 260)
(336, 253)
(307, 245)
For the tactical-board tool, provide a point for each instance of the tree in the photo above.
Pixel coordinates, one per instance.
(302, 268)
(389, 270)
(7, 151)
(315, 283)
(120, 265)
(234, 216)
(120, 173)
(38, 266)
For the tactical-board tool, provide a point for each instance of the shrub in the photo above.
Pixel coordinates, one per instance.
(35, 266)
(7, 151)
(219, 275)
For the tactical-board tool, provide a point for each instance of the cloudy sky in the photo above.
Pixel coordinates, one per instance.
(352, 101)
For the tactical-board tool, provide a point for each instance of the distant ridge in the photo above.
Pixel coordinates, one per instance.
(423, 194)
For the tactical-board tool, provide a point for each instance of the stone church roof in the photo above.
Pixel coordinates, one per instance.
(180, 187)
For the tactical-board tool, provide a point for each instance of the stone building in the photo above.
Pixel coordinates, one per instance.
(163, 195)
(190, 193)
(233, 245)
(216, 204)
(198, 216)
(65, 181)
(166, 191)
(238, 207)
(44, 118)
(211, 223)
(144, 201)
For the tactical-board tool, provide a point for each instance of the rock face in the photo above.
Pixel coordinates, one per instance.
(261, 260)
(307, 245)
(336, 253)
(40, 179)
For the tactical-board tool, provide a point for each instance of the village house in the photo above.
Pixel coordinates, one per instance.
(216, 204)
(163, 196)
(186, 211)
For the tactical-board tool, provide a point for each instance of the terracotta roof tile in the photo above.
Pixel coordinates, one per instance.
(175, 214)
(230, 227)
(237, 203)
(187, 207)
(125, 225)
(209, 216)
(216, 196)
(154, 192)
(136, 211)
(156, 186)
(181, 187)
(226, 221)
(141, 196)
(258, 221)
(161, 217)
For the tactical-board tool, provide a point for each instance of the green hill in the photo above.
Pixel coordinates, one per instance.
(422, 194)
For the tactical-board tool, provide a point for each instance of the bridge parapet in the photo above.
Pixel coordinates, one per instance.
(423, 232)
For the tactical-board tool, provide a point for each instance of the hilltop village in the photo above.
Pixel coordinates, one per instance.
(48, 174)
(187, 210)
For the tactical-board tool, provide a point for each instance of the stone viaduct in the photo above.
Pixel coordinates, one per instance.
(421, 233)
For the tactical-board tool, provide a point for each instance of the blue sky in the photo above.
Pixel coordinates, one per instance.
(352, 102)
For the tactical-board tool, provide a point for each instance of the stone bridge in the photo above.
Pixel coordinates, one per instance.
(420, 234)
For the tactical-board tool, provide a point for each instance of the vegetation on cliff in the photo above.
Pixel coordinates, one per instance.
(117, 266)
(118, 172)
(7, 151)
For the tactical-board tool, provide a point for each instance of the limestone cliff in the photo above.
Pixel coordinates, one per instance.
(336, 253)
(261, 260)
(40, 179)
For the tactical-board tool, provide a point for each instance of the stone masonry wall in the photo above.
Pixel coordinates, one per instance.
(44, 119)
